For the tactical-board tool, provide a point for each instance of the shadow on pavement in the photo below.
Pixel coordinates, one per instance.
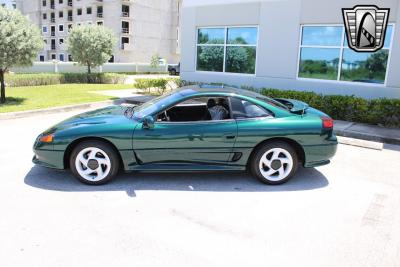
(306, 179)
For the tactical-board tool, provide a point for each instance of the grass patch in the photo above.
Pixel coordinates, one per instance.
(38, 97)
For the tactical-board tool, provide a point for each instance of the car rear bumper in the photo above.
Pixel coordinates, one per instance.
(318, 155)
(49, 158)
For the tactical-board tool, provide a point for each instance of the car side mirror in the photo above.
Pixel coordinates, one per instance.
(148, 122)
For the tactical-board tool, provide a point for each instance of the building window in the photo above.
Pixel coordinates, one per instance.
(125, 27)
(70, 27)
(60, 2)
(61, 41)
(324, 54)
(53, 56)
(41, 58)
(44, 29)
(100, 11)
(44, 16)
(112, 59)
(89, 10)
(100, 23)
(227, 49)
(79, 11)
(60, 14)
(61, 28)
(125, 11)
(44, 3)
(124, 42)
(61, 57)
(70, 58)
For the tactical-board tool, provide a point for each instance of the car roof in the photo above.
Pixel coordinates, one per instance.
(214, 89)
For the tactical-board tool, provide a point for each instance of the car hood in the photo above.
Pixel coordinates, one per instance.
(108, 115)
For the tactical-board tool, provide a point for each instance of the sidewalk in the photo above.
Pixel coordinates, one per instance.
(367, 132)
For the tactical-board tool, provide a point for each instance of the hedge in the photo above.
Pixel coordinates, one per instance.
(160, 84)
(36, 79)
(381, 111)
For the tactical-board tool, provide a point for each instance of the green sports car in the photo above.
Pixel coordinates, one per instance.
(191, 129)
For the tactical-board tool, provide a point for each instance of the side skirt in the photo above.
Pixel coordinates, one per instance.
(185, 167)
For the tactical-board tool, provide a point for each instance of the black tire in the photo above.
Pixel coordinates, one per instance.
(254, 164)
(108, 149)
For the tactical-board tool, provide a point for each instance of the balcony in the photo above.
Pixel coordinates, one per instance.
(127, 47)
(70, 18)
(125, 30)
(53, 20)
(70, 3)
(53, 47)
(125, 14)
(99, 15)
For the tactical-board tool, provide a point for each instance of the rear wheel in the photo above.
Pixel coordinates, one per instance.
(274, 163)
(94, 162)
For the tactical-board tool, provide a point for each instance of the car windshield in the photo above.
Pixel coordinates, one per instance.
(160, 103)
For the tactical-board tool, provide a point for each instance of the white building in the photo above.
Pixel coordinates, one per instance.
(143, 27)
(287, 44)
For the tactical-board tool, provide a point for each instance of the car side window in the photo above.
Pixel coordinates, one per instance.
(243, 109)
(197, 109)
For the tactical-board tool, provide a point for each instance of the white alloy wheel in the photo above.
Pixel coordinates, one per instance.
(276, 164)
(93, 164)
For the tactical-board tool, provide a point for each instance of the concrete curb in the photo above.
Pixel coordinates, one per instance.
(367, 132)
(32, 113)
(368, 137)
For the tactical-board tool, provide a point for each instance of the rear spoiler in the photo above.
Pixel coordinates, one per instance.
(294, 106)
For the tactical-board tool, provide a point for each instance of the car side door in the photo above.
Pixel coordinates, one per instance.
(204, 141)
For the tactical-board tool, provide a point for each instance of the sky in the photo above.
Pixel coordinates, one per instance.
(5, 1)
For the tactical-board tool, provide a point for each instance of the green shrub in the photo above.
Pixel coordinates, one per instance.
(17, 80)
(159, 84)
(380, 111)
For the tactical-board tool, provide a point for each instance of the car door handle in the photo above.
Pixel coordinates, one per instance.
(229, 136)
(196, 136)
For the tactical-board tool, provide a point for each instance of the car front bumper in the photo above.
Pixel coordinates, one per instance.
(49, 158)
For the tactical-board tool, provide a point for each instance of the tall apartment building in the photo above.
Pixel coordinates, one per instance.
(142, 27)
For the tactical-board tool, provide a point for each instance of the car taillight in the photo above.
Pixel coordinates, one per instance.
(327, 122)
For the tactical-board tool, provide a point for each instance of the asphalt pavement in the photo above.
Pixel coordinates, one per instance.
(343, 214)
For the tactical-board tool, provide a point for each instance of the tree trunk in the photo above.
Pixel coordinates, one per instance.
(89, 70)
(3, 87)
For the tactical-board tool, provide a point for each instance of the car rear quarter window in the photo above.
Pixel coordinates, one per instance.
(243, 109)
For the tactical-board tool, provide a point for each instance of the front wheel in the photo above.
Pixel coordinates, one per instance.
(94, 162)
(274, 163)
